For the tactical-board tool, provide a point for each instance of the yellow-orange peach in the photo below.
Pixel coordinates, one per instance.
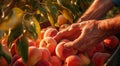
(45, 53)
(84, 59)
(49, 43)
(73, 60)
(55, 61)
(34, 55)
(63, 52)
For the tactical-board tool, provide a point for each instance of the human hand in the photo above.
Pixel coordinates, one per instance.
(90, 35)
(71, 32)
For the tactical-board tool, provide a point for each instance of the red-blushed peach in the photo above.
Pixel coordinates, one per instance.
(3, 61)
(31, 42)
(55, 61)
(111, 42)
(63, 52)
(19, 62)
(13, 49)
(45, 53)
(50, 32)
(99, 58)
(43, 63)
(72, 60)
(49, 43)
(97, 48)
(34, 55)
(14, 58)
(43, 32)
(84, 59)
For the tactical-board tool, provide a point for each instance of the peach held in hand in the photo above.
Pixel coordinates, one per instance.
(63, 52)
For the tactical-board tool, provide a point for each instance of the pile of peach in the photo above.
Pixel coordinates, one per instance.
(48, 52)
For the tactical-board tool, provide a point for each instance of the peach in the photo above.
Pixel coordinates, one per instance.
(43, 63)
(19, 62)
(97, 48)
(13, 49)
(84, 59)
(50, 32)
(3, 61)
(43, 32)
(111, 42)
(73, 60)
(31, 42)
(14, 58)
(62, 20)
(55, 61)
(49, 43)
(63, 52)
(34, 55)
(45, 53)
(99, 58)
(64, 26)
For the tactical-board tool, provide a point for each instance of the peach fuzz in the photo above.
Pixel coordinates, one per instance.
(49, 43)
(73, 60)
(43, 63)
(45, 53)
(50, 32)
(63, 52)
(34, 55)
(55, 61)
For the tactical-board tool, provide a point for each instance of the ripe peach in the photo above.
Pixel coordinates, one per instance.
(43, 63)
(63, 52)
(97, 48)
(3, 61)
(43, 32)
(73, 60)
(14, 58)
(55, 61)
(100, 58)
(50, 32)
(19, 62)
(84, 59)
(111, 42)
(49, 43)
(13, 49)
(31, 42)
(34, 54)
(45, 53)
(62, 20)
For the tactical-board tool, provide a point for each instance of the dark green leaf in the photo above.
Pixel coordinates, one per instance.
(15, 33)
(7, 57)
(1, 52)
(22, 46)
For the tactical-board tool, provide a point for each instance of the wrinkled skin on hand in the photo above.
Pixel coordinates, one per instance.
(90, 35)
(72, 32)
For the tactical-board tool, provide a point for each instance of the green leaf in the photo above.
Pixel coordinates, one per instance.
(7, 57)
(15, 33)
(22, 46)
(29, 26)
